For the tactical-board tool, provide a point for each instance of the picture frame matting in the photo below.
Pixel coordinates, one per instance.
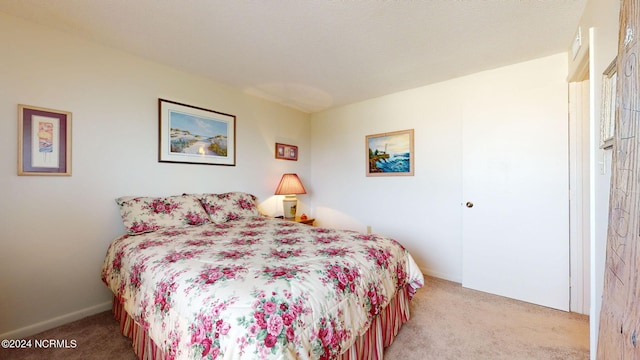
(194, 135)
(286, 152)
(44, 141)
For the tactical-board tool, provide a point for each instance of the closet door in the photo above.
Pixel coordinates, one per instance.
(515, 207)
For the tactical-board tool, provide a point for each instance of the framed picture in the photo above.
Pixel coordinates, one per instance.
(286, 152)
(44, 141)
(390, 154)
(194, 135)
(608, 108)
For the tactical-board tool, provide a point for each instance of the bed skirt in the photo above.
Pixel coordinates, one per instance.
(369, 345)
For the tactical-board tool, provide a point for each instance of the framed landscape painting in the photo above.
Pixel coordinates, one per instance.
(390, 154)
(194, 135)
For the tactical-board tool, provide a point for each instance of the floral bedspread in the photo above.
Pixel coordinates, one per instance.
(256, 288)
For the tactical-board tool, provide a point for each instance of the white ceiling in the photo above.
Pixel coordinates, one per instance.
(317, 54)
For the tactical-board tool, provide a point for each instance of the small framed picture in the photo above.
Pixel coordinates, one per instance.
(44, 141)
(390, 154)
(608, 107)
(194, 135)
(286, 152)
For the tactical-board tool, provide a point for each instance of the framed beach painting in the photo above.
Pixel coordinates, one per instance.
(390, 154)
(193, 135)
(44, 141)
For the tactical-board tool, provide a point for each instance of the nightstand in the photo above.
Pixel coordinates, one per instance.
(307, 221)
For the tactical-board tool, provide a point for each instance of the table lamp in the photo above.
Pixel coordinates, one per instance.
(289, 186)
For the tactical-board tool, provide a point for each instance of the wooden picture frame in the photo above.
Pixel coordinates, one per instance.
(390, 154)
(608, 107)
(44, 141)
(194, 135)
(286, 152)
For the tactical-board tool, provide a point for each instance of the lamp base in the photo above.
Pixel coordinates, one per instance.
(289, 205)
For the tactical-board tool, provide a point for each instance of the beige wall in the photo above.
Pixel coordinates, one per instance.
(54, 231)
(424, 212)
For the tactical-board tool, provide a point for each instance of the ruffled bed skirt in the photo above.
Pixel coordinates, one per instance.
(369, 345)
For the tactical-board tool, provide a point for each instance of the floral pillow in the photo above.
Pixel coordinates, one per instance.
(229, 206)
(146, 214)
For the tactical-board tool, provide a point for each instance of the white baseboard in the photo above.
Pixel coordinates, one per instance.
(440, 275)
(56, 321)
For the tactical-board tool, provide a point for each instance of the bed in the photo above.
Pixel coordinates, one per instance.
(206, 276)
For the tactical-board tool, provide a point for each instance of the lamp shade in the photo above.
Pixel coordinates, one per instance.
(290, 184)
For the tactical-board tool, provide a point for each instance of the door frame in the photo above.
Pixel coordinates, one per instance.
(579, 186)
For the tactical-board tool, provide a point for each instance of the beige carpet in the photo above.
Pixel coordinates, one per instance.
(451, 322)
(448, 322)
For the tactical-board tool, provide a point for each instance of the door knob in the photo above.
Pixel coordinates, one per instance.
(469, 204)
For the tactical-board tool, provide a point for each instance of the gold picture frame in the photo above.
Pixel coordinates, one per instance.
(390, 154)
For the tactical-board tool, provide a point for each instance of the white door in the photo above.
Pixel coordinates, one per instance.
(515, 191)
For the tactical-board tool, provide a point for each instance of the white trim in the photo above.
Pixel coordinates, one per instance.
(580, 179)
(56, 321)
(440, 275)
(579, 194)
(594, 319)
(575, 193)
